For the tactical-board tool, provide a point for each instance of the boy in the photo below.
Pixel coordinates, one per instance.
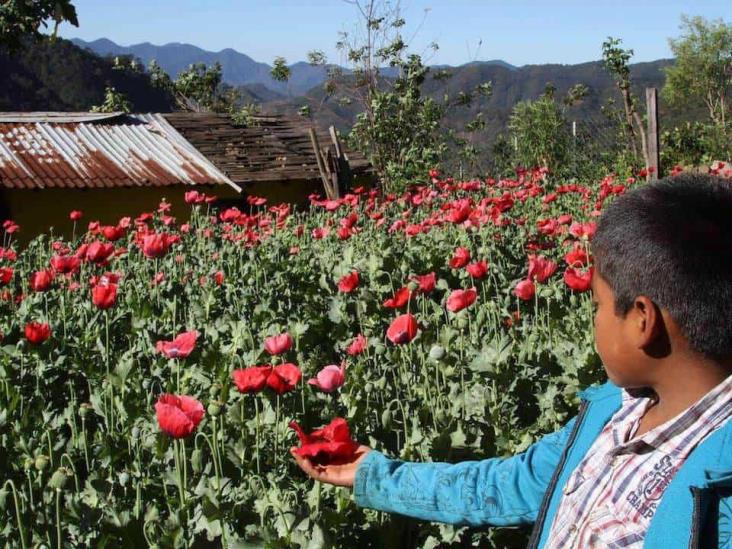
(647, 462)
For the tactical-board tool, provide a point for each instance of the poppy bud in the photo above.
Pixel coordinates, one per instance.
(124, 478)
(41, 463)
(413, 286)
(84, 409)
(214, 408)
(58, 479)
(196, 460)
(437, 352)
(386, 418)
(28, 463)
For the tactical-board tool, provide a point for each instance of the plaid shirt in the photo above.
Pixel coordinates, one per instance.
(610, 498)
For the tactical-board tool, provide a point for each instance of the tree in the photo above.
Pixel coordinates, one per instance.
(114, 101)
(540, 128)
(703, 68)
(22, 19)
(616, 61)
(198, 88)
(399, 127)
(280, 71)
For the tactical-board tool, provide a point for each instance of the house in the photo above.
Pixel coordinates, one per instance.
(106, 165)
(110, 165)
(272, 155)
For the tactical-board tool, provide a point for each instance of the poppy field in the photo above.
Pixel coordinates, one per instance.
(154, 374)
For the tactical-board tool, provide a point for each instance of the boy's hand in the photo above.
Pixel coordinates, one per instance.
(342, 474)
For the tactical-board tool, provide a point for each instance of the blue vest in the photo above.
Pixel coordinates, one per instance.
(695, 511)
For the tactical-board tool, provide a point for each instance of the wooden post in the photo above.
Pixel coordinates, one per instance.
(330, 193)
(653, 150)
(343, 168)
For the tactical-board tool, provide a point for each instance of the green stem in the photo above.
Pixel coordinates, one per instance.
(23, 541)
(58, 519)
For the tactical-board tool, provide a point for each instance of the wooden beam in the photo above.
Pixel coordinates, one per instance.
(653, 149)
(321, 167)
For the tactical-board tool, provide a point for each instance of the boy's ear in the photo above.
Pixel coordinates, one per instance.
(649, 327)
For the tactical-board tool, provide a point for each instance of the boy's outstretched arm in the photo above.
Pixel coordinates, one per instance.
(496, 491)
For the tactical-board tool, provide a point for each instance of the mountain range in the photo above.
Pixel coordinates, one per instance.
(65, 75)
(238, 69)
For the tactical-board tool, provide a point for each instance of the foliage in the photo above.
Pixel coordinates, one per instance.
(56, 75)
(280, 71)
(397, 125)
(616, 61)
(400, 130)
(114, 101)
(695, 144)
(246, 115)
(702, 72)
(198, 88)
(20, 20)
(84, 462)
(540, 131)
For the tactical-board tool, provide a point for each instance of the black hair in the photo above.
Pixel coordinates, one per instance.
(671, 240)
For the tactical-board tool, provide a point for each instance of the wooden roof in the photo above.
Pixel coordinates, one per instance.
(272, 148)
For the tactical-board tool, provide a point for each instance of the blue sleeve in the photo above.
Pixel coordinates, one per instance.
(494, 492)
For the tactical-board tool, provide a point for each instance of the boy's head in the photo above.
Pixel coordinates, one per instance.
(663, 264)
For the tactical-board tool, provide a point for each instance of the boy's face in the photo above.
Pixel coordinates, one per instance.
(626, 365)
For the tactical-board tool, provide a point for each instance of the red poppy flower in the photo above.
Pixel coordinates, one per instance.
(194, 197)
(329, 378)
(104, 280)
(75, 215)
(577, 280)
(357, 346)
(583, 230)
(278, 344)
(155, 245)
(477, 270)
(40, 281)
(330, 444)
(112, 233)
(402, 329)
(460, 258)
(37, 332)
(252, 379)
(178, 416)
(426, 282)
(180, 347)
(6, 275)
(525, 290)
(460, 299)
(10, 226)
(348, 283)
(283, 378)
(541, 268)
(218, 277)
(104, 295)
(577, 256)
(99, 252)
(400, 299)
(65, 264)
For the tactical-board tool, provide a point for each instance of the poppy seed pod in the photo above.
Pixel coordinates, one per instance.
(214, 408)
(437, 352)
(58, 479)
(41, 463)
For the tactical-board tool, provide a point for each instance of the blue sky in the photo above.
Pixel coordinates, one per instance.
(518, 31)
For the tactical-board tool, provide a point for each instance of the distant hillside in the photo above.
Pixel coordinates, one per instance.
(510, 85)
(64, 77)
(238, 69)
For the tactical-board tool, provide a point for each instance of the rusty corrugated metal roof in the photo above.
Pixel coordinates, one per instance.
(39, 150)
